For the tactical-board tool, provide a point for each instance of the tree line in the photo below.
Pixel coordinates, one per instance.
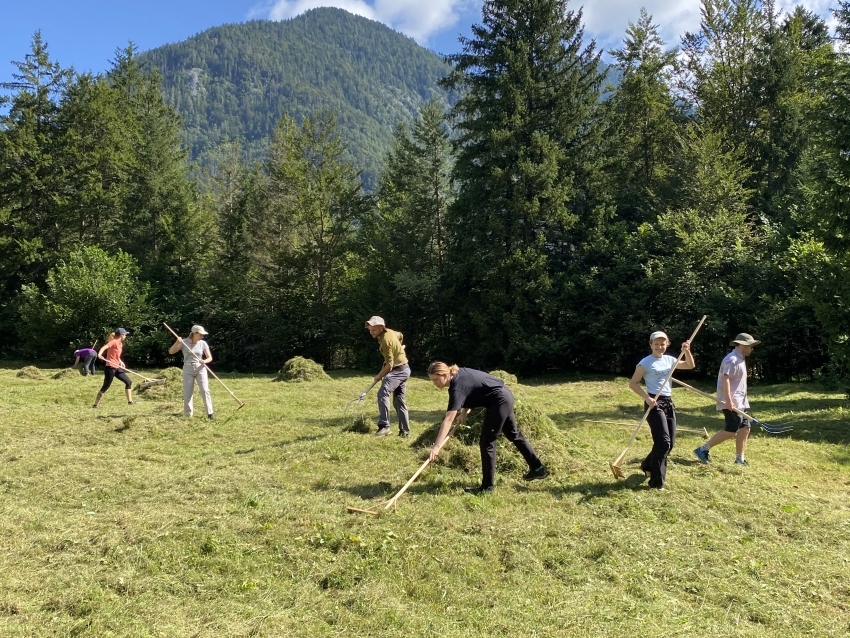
(548, 220)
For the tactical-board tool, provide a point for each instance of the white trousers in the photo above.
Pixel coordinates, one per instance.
(193, 373)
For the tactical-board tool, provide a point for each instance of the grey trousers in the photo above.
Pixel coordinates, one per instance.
(395, 384)
(193, 373)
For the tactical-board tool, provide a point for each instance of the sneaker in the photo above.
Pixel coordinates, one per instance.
(404, 434)
(211, 417)
(539, 473)
(131, 403)
(478, 490)
(383, 431)
(744, 463)
(702, 455)
(95, 405)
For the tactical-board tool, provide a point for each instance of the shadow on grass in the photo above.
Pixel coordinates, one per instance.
(590, 491)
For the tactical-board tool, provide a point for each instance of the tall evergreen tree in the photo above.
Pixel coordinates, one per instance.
(525, 123)
(645, 121)
(407, 235)
(305, 240)
(32, 228)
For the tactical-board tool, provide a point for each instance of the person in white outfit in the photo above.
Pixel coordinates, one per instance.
(196, 356)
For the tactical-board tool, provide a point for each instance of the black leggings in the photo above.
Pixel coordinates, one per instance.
(500, 418)
(662, 424)
(110, 373)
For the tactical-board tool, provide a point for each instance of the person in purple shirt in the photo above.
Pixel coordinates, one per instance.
(88, 357)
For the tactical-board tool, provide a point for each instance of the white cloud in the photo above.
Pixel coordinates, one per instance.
(420, 19)
(605, 20)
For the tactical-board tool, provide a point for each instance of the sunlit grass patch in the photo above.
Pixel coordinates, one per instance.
(137, 521)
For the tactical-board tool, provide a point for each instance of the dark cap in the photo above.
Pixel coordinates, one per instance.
(121, 331)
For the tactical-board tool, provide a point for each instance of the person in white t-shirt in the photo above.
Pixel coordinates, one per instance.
(196, 356)
(653, 369)
(732, 393)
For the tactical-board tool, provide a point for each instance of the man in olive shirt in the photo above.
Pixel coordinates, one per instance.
(395, 374)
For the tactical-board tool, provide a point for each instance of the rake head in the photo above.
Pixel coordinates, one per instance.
(618, 473)
(771, 428)
(355, 411)
(149, 382)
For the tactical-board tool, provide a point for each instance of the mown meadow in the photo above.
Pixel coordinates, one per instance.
(135, 521)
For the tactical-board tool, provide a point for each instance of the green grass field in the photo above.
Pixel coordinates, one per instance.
(134, 521)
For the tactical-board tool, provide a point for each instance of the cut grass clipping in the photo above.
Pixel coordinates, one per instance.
(30, 372)
(171, 390)
(66, 373)
(299, 369)
(124, 522)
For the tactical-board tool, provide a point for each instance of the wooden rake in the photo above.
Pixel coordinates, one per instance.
(702, 431)
(215, 376)
(615, 466)
(769, 428)
(374, 511)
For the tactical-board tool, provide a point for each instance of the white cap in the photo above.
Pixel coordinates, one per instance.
(375, 321)
(199, 329)
(657, 335)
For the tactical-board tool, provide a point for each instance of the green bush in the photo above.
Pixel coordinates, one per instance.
(299, 369)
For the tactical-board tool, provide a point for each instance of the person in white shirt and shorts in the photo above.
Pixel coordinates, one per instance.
(732, 393)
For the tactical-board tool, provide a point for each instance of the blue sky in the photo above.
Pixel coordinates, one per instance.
(85, 33)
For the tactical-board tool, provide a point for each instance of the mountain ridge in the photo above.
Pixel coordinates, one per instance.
(236, 81)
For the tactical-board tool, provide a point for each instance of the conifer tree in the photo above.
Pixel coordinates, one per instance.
(527, 151)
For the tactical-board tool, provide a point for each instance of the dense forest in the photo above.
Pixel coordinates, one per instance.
(236, 81)
(544, 220)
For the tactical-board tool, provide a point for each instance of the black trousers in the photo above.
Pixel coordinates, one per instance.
(110, 373)
(88, 364)
(662, 424)
(500, 418)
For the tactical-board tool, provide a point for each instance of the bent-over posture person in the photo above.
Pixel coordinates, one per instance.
(114, 368)
(653, 369)
(393, 376)
(732, 393)
(88, 357)
(470, 388)
(196, 354)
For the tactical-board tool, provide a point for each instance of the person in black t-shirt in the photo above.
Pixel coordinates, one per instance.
(469, 388)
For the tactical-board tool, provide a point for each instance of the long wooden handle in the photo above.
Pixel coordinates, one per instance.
(710, 396)
(421, 469)
(666, 381)
(177, 336)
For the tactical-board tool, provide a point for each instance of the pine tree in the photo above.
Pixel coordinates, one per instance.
(526, 153)
(32, 191)
(645, 121)
(406, 239)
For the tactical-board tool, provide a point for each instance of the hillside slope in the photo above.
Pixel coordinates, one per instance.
(237, 80)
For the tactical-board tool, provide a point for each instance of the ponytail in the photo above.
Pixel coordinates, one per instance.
(112, 336)
(439, 368)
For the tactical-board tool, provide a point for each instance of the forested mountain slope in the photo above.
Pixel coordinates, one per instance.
(237, 80)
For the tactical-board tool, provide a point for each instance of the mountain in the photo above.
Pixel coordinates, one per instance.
(237, 80)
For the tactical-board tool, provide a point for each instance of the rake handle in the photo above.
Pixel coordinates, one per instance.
(712, 397)
(215, 376)
(620, 458)
(421, 469)
(137, 374)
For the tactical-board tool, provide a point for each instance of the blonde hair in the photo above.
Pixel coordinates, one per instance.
(438, 368)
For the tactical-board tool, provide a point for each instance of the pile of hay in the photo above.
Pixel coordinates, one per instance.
(299, 369)
(67, 372)
(171, 390)
(461, 451)
(30, 372)
(507, 377)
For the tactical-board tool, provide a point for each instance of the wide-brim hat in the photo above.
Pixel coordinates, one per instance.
(745, 340)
